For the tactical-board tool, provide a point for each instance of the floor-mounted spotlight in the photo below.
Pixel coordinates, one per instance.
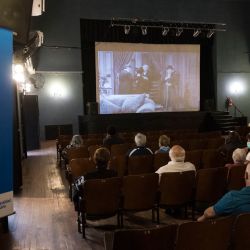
(196, 33)
(179, 31)
(210, 33)
(165, 31)
(144, 30)
(126, 29)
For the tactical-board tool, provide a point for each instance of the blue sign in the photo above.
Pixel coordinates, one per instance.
(6, 123)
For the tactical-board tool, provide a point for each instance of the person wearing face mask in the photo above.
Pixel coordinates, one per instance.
(248, 142)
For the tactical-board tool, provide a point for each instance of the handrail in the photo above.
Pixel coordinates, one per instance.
(229, 103)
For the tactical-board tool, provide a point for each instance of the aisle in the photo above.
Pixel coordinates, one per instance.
(45, 218)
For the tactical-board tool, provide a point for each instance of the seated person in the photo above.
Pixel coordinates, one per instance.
(75, 142)
(248, 142)
(164, 142)
(177, 164)
(140, 149)
(232, 142)
(112, 138)
(239, 158)
(233, 202)
(101, 159)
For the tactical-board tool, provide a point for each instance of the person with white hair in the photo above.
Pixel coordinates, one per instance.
(76, 142)
(233, 202)
(239, 158)
(140, 149)
(177, 163)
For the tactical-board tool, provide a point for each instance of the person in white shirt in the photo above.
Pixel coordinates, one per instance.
(177, 164)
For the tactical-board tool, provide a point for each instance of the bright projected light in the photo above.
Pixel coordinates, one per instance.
(58, 91)
(138, 78)
(236, 87)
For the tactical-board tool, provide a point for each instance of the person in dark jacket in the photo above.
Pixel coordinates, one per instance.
(112, 138)
(140, 149)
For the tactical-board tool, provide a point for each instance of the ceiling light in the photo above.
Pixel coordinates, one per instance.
(126, 29)
(165, 31)
(144, 30)
(210, 33)
(196, 33)
(179, 31)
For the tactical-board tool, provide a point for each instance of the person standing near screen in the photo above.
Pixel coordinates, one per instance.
(170, 85)
(126, 79)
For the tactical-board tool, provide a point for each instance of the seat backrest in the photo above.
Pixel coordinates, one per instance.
(194, 156)
(160, 159)
(240, 232)
(102, 196)
(119, 164)
(196, 144)
(140, 164)
(119, 149)
(211, 184)
(159, 238)
(206, 235)
(140, 191)
(214, 143)
(236, 177)
(176, 188)
(92, 150)
(80, 152)
(211, 159)
(80, 166)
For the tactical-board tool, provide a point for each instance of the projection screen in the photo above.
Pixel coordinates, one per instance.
(138, 78)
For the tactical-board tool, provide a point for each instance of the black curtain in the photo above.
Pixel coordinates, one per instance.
(101, 31)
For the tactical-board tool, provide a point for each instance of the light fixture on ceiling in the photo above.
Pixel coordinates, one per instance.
(126, 29)
(196, 33)
(144, 30)
(210, 33)
(165, 31)
(179, 32)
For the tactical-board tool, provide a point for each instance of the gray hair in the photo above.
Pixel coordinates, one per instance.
(76, 140)
(239, 155)
(177, 153)
(140, 140)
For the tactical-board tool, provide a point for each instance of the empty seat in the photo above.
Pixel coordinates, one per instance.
(236, 177)
(211, 159)
(240, 232)
(140, 164)
(119, 164)
(208, 235)
(92, 150)
(160, 160)
(194, 156)
(159, 238)
(119, 149)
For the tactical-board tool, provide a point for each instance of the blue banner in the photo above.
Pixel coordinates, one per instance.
(6, 123)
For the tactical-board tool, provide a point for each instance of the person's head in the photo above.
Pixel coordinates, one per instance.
(111, 130)
(233, 137)
(164, 141)
(102, 157)
(140, 140)
(76, 140)
(177, 153)
(239, 155)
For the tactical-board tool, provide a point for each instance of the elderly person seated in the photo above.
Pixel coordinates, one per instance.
(140, 149)
(239, 158)
(233, 202)
(101, 159)
(164, 142)
(112, 138)
(177, 163)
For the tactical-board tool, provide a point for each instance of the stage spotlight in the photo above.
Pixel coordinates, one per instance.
(165, 31)
(196, 33)
(179, 31)
(144, 30)
(210, 33)
(126, 29)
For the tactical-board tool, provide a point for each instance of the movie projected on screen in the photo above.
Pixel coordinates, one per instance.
(139, 78)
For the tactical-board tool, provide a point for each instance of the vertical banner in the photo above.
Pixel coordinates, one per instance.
(6, 123)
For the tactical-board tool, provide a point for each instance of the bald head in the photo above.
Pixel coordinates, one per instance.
(177, 153)
(239, 155)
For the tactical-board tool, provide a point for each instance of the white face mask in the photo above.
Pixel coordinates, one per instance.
(248, 144)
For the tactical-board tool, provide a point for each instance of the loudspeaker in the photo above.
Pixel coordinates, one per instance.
(92, 108)
(15, 15)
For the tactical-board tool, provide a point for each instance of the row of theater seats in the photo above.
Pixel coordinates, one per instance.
(105, 197)
(123, 165)
(228, 233)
